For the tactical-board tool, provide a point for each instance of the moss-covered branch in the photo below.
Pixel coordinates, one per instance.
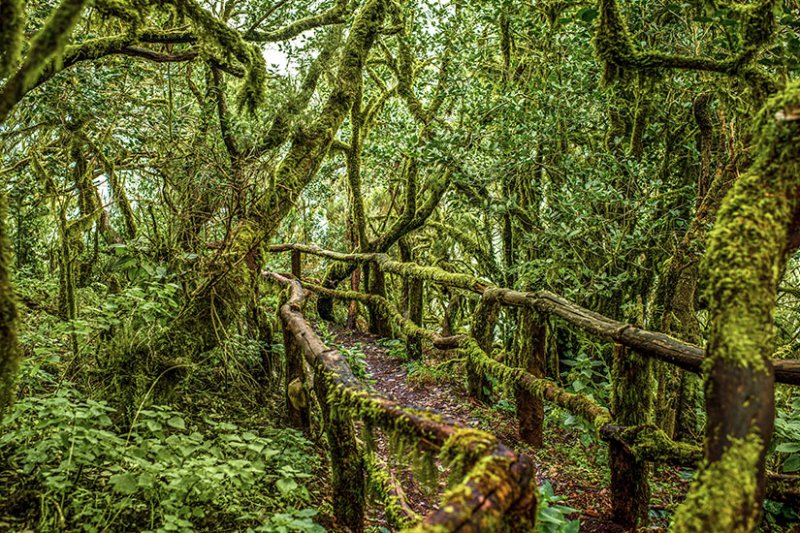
(335, 15)
(310, 145)
(12, 13)
(282, 124)
(390, 312)
(615, 46)
(46, 44)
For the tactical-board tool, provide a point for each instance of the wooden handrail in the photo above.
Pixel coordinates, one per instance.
(645, 342)
(499, 483)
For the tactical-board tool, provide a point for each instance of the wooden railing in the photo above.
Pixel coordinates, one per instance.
(497, 483)
(632, 438)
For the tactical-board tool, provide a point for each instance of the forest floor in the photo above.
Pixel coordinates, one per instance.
(572, 461)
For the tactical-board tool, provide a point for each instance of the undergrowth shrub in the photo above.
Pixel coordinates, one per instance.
(66, 467)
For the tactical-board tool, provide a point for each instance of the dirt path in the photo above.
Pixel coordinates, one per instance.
(573, 465)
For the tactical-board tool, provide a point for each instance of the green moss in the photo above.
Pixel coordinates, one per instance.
(310, 145)
(649, 443)
(577, 404)
(721, 489)
(755, 231)
(491, 475)
(615, 46)
(12, 13)
(383, 487)
(748, 246)
(463, 449)
(51, 39)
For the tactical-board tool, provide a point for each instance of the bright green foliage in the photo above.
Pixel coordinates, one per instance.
(50, 41)
(164, 474)
(150, 151)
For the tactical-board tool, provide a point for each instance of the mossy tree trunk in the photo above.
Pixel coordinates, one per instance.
(378, 322)
(679, 391)
(757, 227)
(310, 145)
(631, 403)
(9, 355)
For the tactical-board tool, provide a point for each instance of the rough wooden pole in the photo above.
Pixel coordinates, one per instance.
(758, 227)
(296, 395)
(9, 355)
(297, 269)
(483, 321)
(347, 465)
(631, 404)
(532, 356)
(378, 323)
(415, 309)
(352, 309)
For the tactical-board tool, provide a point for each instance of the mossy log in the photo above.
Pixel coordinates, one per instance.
(577, 404)
(648, 442)
(499, 484)
(644, 342)
(403, 324)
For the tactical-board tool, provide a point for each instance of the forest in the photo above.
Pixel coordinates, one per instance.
(399, 265)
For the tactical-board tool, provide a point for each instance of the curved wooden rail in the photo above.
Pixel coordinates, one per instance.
(498, 482)
(649, 343)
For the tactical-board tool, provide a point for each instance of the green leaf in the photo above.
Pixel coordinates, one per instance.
(176, 422)
(792, 464)
(788, 447)
(124, 483)
(286, 485)
(587, 14)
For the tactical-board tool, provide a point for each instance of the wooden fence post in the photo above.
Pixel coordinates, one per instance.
(297, 269)
(416, 288)
(478, 386)
(297, 404)
(347, 465)
(531, 356)
(631, 405)
(378, 323)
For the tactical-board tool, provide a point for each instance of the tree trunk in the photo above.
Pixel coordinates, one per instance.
(9, 355)
(757, 227)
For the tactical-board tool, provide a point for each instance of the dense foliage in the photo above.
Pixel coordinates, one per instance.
(151, 151)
